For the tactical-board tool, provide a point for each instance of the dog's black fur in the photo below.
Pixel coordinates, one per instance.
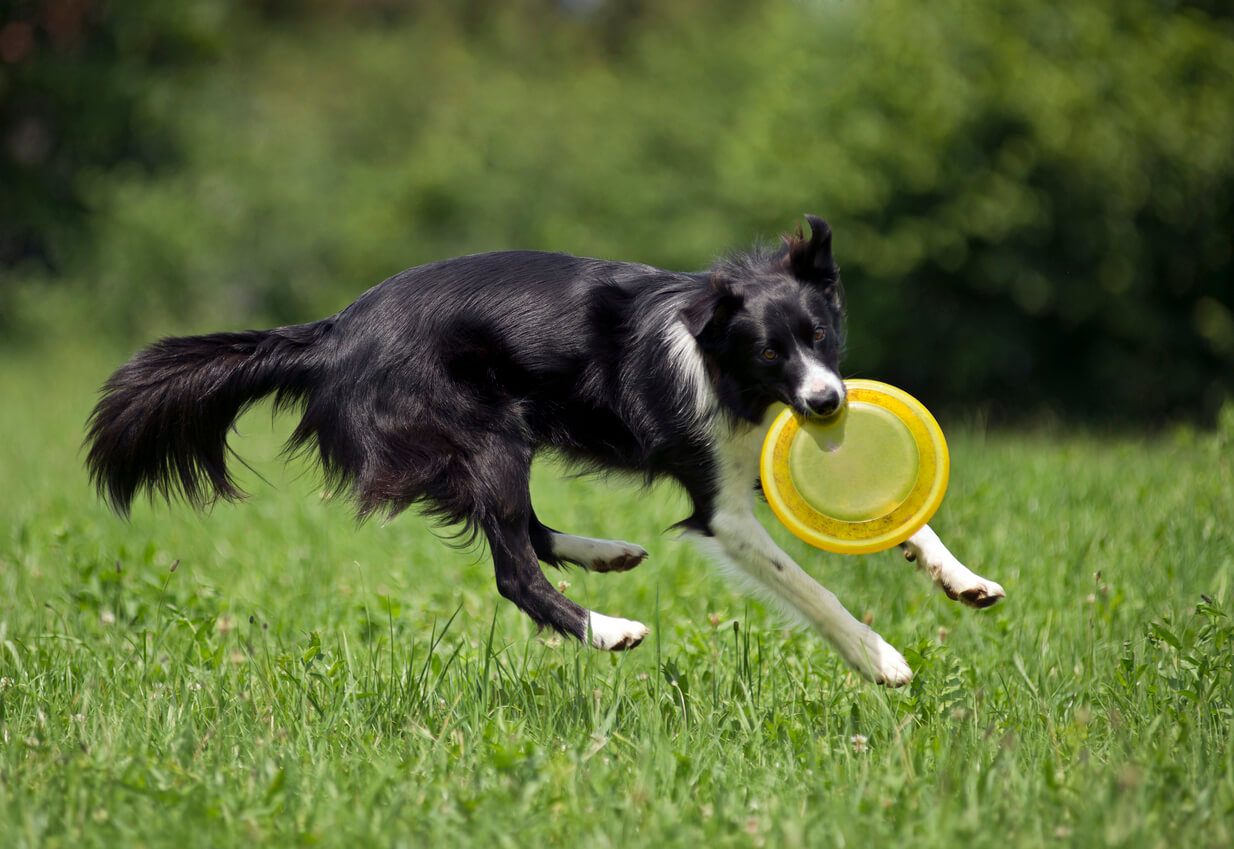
(438, 387)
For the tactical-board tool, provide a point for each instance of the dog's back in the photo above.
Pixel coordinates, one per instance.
(549, 348)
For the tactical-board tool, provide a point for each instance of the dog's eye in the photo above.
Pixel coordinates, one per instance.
(769, 354)
(819, 333)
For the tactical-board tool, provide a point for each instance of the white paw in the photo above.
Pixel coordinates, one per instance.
(978, 592)
(611, 633)
(955, 579)
(599, 555)
(876, 659)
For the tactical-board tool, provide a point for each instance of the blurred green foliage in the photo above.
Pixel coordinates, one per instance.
(78, 84)
(1033, 202)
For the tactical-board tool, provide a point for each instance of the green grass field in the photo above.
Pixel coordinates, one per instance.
(270, 674)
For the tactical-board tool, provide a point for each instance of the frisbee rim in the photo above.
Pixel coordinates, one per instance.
(808, 523)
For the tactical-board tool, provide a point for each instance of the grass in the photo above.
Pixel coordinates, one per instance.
(271, 674)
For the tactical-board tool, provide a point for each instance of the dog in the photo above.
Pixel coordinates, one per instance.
(439, 386)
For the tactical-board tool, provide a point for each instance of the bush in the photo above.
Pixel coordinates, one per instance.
(1032, 202)
(77, 85)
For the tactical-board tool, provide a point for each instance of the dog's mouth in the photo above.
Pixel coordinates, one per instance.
(826, 414)
(826, 417)
(832, 415)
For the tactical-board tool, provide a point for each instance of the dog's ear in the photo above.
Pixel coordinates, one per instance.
(810, 261)
(713, 308)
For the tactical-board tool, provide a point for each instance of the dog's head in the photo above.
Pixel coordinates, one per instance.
(771, 327)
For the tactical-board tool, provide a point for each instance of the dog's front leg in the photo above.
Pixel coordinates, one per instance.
(739, 542)
(953, 577)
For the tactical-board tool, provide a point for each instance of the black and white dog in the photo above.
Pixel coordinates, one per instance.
(438, 387)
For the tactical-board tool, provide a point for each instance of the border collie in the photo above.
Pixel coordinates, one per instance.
(437, 388)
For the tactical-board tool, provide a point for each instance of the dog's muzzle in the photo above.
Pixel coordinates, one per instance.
(821, 393)
(824, 403)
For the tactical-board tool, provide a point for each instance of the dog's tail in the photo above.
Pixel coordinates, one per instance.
(162, 421)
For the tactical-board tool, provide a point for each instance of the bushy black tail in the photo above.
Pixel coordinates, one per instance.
(163, 417)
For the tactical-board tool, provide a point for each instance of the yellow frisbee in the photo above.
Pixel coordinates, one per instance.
(863, 481)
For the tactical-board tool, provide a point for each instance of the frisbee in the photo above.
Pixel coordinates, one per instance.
(864, 480)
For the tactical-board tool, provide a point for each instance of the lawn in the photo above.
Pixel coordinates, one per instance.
(270, 673)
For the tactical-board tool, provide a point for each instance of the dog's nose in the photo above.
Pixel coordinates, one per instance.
(825, 401)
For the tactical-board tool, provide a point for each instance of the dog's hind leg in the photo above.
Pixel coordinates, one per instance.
(520, 579)
(953, 577)
(598, 555)
(594, 555)
(507, 524)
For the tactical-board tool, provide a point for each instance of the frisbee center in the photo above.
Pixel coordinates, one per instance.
(858, 468)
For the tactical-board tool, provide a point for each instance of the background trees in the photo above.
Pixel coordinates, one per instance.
(1032, 201)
